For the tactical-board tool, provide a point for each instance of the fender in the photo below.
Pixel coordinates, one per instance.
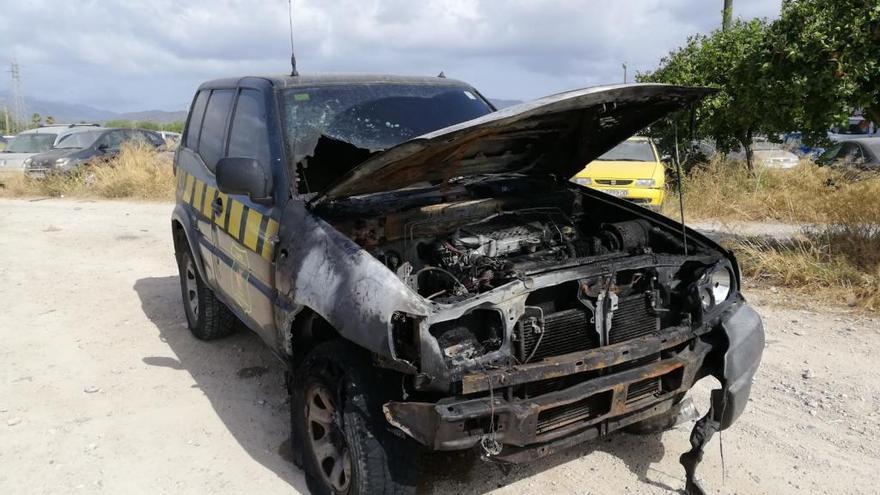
(181, 216)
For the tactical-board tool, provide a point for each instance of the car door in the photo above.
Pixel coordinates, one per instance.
(204, 146)
(246, 230)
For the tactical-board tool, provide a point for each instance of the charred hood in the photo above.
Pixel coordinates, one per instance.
(556, 135)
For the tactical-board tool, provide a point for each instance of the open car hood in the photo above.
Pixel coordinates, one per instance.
(555, 135)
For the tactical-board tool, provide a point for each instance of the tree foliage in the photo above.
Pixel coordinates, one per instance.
(730, 61)
(829, 53)
(145, 124)
(805, 71)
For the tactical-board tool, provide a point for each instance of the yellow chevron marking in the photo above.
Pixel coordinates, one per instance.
(197, 197)
(188, 188)
(209, 198)
(271, 230)
(235, 219)
(221, 217)
(252, 229)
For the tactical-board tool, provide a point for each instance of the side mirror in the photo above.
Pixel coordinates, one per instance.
(245, 176)
(103, 147)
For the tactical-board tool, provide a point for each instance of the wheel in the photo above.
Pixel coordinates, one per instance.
(206, 316)
(338, 428)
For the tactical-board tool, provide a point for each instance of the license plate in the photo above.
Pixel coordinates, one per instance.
(620, 193)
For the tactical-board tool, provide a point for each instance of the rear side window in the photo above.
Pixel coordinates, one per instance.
(214, 126)
(249, 137)
(195, 120)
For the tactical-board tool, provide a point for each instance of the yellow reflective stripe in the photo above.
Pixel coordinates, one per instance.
(271, 230)
(221, 217)
(252, 229)
(188, 189)
(209, 198)
(235, 219)
(197, 197)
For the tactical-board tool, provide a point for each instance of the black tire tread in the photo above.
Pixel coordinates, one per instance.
(216, 320)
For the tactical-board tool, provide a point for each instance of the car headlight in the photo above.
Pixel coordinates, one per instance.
(584, 181)
(645, 182)
(28, 162)
(62, 162)
(716, 287)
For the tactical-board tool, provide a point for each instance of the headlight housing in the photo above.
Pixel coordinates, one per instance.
(28, 162)
(584, 181)
(62, 162)
(646, 182)
(716, 286)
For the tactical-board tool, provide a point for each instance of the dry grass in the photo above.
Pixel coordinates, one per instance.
(838, 253)
(138, 172)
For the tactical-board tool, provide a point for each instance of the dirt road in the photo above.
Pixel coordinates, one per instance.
(102, 389)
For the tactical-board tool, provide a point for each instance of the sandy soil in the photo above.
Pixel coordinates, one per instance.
(103, 390)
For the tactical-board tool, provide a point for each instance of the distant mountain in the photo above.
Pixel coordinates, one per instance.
(499, 104)
(72, 112)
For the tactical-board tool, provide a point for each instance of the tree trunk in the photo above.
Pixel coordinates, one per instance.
(726, 15)
(746, 142)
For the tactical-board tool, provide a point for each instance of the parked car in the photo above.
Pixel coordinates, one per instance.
(86, 147)
(427, 275)
(862, 153)
(631, 170)
(768, 155)
(31, 142)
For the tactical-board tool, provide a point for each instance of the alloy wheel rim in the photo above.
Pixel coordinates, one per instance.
(192, 289)
(326, 438)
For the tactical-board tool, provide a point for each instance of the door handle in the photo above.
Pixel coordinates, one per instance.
(217, 206)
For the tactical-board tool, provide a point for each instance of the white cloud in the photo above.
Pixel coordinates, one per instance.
(153, 53)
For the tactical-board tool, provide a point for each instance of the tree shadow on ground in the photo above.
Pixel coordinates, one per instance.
(244, 383)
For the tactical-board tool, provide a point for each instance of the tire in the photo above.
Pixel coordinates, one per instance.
(339, 433)
(206, 316)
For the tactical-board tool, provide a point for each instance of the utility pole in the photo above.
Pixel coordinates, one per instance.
(624, 72)
(16, 96)
(726, 15)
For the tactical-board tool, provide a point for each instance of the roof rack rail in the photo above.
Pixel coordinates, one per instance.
(81, 124)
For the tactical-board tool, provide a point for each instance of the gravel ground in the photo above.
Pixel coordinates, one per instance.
(102, 389)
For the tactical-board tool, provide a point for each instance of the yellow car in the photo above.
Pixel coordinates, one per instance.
(631, 170)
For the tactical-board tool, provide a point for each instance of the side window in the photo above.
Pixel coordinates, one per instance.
(214, 126)
(195, 120)
(112, 140)
(249, 137)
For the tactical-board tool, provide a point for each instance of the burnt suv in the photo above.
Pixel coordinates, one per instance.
(430, 278)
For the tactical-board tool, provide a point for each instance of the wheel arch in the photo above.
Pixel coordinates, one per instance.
(184, 237)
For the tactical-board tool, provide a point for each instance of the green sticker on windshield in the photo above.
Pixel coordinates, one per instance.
(301, 97)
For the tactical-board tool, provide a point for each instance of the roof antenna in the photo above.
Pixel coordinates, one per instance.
(293, 71)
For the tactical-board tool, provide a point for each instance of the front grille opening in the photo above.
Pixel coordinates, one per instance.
(534, 389)
(654, 387)
(583, 410)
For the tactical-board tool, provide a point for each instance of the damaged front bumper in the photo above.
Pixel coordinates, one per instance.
(617, 390)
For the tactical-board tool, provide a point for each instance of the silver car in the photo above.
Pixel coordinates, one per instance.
(31, 142)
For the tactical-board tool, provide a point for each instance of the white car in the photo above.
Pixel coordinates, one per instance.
(28, 143)
(769, 155)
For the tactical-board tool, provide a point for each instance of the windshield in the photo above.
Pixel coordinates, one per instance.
(374, 116)
(30, 143)
(630, 151)
(78, 140)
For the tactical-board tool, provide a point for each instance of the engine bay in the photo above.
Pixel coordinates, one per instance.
(479, 235)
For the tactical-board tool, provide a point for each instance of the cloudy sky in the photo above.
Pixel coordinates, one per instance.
(129, 55)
